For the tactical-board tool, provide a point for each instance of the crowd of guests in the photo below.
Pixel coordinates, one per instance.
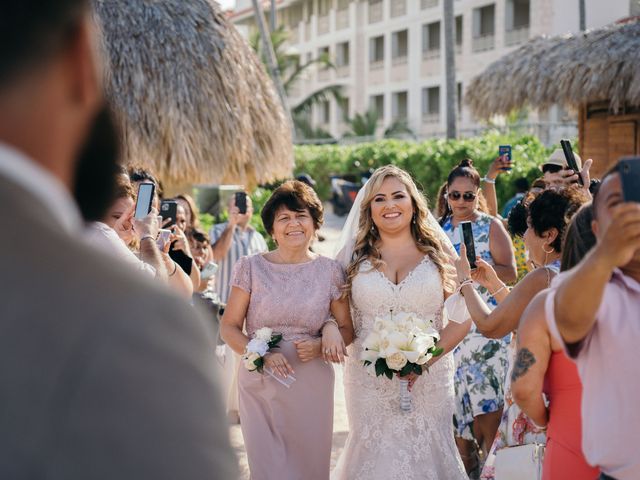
(515, 382)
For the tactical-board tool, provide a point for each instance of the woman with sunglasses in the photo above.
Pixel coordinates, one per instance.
(481, 363)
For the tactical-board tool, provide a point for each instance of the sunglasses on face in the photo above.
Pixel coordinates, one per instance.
(466, 196)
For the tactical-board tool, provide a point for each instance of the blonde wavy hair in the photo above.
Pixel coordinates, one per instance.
(368, 239)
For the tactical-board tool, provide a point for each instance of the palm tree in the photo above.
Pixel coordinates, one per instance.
(292, 69)
(363, 124)
(450, 67)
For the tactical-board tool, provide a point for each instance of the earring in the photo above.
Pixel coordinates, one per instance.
(413, 220)
(545, 250)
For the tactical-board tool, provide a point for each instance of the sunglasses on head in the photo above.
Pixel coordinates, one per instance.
(466, 196)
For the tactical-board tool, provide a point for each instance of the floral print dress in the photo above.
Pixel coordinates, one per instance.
(480, 362)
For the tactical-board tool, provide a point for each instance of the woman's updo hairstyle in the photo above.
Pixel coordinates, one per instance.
(464, 169)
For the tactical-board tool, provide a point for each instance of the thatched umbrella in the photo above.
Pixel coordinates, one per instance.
(194, 100)
(571, 70)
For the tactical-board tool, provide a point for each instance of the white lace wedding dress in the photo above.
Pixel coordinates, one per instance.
(385, 443)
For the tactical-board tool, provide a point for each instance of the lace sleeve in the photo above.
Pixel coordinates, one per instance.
(338, 280)
(241, 276)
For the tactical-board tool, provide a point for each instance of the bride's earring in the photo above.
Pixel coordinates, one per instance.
(413, 220)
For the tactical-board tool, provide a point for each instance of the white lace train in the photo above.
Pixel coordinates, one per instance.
(385, 443)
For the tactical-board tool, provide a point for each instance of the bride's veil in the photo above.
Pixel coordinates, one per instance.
(343, 252)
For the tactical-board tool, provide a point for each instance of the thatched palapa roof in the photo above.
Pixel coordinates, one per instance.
(195, 101)
(571, 70)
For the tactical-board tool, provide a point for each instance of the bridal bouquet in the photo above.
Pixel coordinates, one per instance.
(400, 343)
(263, 341)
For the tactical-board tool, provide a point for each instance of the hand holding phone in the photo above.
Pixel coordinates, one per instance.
(144, 200)
(169, 211)
(241, 202)
(504, 151)
(571, 159)
(466, 237)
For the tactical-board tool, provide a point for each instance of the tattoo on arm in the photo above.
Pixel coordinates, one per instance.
(524, 360)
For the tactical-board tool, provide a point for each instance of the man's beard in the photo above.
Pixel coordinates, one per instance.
(97, 168)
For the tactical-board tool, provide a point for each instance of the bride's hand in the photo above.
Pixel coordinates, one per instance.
(333, 348)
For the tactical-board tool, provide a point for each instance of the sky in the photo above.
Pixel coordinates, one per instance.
(227, 4)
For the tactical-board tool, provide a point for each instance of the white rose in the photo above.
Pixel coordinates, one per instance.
(258, 346)
(264, 334)
(396, 361)
(249, 361)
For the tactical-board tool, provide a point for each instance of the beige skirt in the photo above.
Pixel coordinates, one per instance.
(288, 431)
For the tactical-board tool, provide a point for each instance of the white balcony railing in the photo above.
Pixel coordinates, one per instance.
(430, 118)
(398, 8)
(424, 4)
(294, 36)
(485, 42)
(399, 60)
(375, 12)
(323, 24)
(516, 36)
(376, 65)
(307, 30)
(324, 75)
(342, 19)
(342, 71)
(431, 54)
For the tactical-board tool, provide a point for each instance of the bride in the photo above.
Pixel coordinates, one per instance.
(398, 260)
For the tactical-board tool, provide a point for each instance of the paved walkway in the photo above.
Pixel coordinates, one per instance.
(331, 232)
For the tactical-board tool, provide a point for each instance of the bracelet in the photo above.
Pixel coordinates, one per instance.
(498, 291)
(175, 269)
(488, 180)
(331, 320)
(148, 235)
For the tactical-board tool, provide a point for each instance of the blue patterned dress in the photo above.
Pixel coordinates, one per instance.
(481, 363)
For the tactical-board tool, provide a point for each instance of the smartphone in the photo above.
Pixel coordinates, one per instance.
(209, 270)
(466, 235)
(145, 198)
(163, 238)
(571, 160)
(629, 168)
(169, 209)
(241, 202)
(505, 151)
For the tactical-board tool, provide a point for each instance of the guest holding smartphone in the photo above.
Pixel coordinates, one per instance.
(288, 431)
(480, 362)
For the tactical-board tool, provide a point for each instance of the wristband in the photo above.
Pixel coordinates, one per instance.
(331, 320)
(148, 235)
(488, 180)
(175, 269)
(498, 291)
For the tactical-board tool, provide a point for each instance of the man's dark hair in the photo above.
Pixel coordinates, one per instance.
(33, 31)
(521, 184)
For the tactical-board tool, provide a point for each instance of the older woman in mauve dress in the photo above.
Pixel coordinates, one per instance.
(288, 431)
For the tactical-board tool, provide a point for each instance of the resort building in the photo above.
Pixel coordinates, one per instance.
(389, 54)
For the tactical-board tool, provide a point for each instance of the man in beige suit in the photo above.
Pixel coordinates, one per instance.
(103, 375)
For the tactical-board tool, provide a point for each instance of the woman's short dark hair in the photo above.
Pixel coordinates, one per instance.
(123, 188)
(555, 208)
(198, 235)
(578, 239)
(295, 196)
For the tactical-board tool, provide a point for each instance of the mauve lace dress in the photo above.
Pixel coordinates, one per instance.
(288, 431)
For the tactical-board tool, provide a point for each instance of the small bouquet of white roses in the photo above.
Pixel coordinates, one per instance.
(263, 341)
(400, 343)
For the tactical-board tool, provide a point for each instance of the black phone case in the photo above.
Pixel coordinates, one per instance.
(241, 202)
(467, 238)
(169, 210)
(629, 169)
(571, 160)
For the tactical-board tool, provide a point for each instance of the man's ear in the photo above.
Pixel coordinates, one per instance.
(85, 66)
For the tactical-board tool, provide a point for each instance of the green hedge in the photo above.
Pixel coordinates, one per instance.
(429, 162)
